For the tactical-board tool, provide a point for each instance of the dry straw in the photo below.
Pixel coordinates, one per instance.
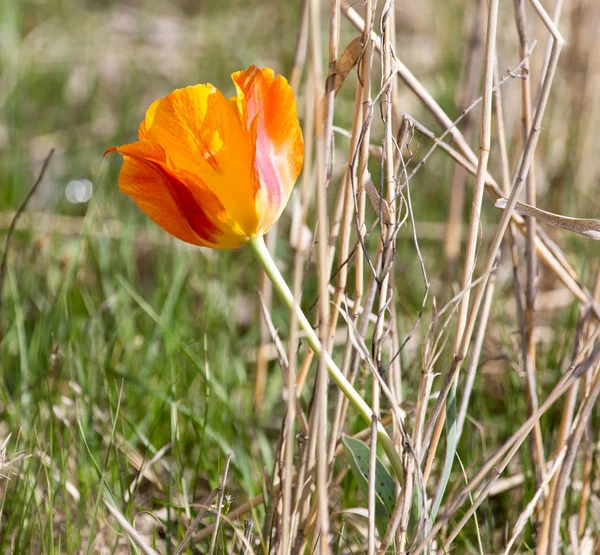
(354, 247)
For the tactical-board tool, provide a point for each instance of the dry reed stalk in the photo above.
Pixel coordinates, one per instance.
(324, 136)
(528, 329)
(500, 459)
(345, 256)
(585, 330)
(387, 240)
(548, 21)
(460, 346)
(247, 540)
(301, 48)
(338, 224)
(285, 446)
(350, 360)
(429, 357)
(363, 151)
(475, 355)
(563, 433)
(345, 226)
(275, 515)
(371, 499)
(302, 206)
(572, 446)
(500, 231)
(589, 445)
(301, 505)
(395, 369)
(548, 251)
(323, 275)
(307, 510)
(506, 184)
(398, 524)
(467, 89)
(292, 399)
(344, 253)
(533, 504)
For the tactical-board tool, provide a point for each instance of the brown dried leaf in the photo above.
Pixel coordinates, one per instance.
(587, 228)
(376, 201)
(347, 60)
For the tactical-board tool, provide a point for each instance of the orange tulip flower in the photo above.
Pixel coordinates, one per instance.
(215, 172)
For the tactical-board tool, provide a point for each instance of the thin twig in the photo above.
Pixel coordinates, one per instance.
(14, 221)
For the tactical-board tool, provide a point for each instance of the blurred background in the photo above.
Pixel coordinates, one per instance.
(120, 344)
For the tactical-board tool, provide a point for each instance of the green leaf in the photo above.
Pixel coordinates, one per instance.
(358, 455)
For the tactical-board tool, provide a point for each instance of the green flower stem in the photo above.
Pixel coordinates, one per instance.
(257, 244)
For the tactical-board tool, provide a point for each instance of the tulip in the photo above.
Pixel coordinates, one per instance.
(218, 173)
(211, 171)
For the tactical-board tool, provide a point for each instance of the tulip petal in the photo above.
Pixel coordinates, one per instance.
(267, 108)
(201, 132)
(175, 199)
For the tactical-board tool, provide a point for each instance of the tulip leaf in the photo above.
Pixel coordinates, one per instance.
(358, 455)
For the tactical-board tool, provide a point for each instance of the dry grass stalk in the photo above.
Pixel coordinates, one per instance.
(319, 514)
(498, 462)
(527, 332)
(572, 446)
(460, 346)
(501, 229)
(589, 443)
(564, 430)
(324, 160)
(547, 250)
(468, 86)
(297, 510)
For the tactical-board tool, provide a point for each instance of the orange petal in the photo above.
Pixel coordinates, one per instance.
(176, 200)
(267, 108)
(202, 134)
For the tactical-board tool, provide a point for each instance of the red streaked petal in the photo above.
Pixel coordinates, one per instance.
(176, 200)
(267, 108)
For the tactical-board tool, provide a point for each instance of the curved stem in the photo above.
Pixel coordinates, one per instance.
(257, 244)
